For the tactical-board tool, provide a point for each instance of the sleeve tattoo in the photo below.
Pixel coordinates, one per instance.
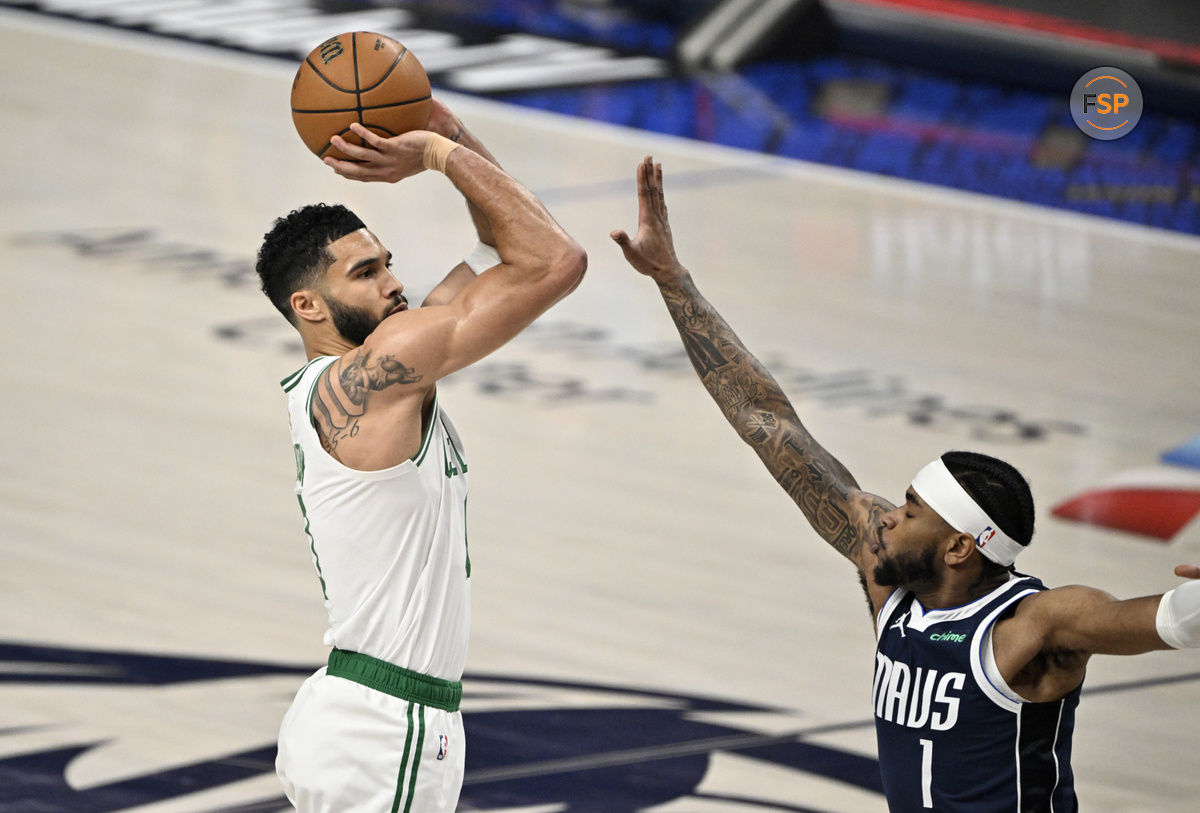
(761, 413)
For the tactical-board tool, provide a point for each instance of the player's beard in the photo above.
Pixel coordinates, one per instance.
(355, 324)
(905, 569)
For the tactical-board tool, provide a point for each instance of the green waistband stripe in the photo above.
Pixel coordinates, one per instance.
(395, 680)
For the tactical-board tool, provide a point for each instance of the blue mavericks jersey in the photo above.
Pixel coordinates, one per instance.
(952, 737)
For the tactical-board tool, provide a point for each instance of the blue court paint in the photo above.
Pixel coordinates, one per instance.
(1186, 455)
(628, 750)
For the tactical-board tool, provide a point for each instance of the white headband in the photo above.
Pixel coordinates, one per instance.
(937, 487)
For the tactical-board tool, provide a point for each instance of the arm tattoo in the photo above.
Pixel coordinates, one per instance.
(341, 399)
(758, 409)
(704, 352)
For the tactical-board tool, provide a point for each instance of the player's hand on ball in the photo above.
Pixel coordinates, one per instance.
(380, 159)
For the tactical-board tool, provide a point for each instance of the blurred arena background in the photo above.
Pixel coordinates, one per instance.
(890, 201)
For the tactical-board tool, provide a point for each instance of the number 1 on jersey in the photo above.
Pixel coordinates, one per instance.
(927, 773)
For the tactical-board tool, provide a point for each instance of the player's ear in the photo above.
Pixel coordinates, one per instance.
(308, 305)
(960, 549)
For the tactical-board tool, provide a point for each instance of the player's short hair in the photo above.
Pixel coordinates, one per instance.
(295, 252)
(1000, 490)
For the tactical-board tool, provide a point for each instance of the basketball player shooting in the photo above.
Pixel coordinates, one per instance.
(381, 471)
(978, 668)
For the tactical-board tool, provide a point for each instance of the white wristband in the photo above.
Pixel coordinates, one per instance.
(482, 258)
(1178, 619)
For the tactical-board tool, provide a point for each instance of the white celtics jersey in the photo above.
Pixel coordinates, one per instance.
(390, 546)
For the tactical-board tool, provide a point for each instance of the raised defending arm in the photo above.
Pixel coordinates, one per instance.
(748, 395)
(763, 417)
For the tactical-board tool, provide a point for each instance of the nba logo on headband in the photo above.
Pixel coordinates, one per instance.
(945, 495)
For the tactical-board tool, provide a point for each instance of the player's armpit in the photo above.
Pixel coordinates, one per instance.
(451, 286)
(483, 257)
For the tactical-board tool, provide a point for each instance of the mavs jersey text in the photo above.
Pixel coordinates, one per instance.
(952, 735)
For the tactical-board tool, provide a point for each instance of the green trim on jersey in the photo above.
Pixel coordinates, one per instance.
(288, 385)
(434, 417)
(312, 546)
(456, 465)
(312, 543)
(292, 380)
(466, 539)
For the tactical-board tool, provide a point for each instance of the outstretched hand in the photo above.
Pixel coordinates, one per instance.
(380, 159)
(651, 251)
(1188, 571)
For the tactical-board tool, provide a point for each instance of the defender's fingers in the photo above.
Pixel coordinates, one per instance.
(643, 177)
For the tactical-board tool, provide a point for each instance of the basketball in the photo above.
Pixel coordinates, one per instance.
(358, 76)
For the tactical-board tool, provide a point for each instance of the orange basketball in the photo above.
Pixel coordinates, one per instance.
(358, 76)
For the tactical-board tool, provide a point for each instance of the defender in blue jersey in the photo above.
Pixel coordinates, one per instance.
(978, 668)
(952, 735)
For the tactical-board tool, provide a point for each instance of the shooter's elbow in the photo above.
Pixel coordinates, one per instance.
(568, 267)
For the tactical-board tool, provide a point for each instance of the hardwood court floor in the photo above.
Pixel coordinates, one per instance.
(627, 551)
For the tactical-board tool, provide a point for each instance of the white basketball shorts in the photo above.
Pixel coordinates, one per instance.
(347, 748)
